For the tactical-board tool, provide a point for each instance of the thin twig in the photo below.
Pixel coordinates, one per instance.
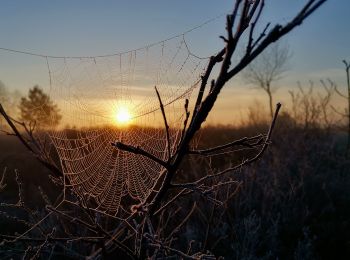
(166, 125)
(2, 181)
(184, 220)
(173, 250)
(172, 200)
(138, 150)
(252, 26)
(187, 115)
(241, 142)
(54, 239)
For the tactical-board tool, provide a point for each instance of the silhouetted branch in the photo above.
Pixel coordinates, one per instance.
(165, 124)
(37, 155)
(239, 166)
(250, 44)
(187, 116)
(339, 93)
(55, 239)
(245, 141)
(347, 97)
(138, 150)
(347, 70)
(326, 99)
(15, 130)
(212, 61)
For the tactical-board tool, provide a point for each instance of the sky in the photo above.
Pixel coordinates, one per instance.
(89, 28)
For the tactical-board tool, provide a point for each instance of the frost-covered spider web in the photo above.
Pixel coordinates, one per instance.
(112, 98)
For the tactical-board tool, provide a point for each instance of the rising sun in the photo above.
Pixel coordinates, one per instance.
(123, 116)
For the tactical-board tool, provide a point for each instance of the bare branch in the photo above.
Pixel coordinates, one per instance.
(47, 164)
(213, 60)
(55, 239)
(15, 130)
(138, 150)
(182, 192)
(165, 124)
(184, 220)
(339, 93)
(173, 250)
(2, 181)
(244, 163)
(245, 141)
(187, 116)
(250, 44)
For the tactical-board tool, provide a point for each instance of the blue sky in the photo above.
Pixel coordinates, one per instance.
(84, 28)
(95, 27)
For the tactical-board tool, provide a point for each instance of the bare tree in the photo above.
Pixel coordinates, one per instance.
(3, 93)
(310, 109)
(268, 68)
(145, 233)
(347, 97)
(3, 96)
(9, 100)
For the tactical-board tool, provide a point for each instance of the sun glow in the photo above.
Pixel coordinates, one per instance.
(123, 116)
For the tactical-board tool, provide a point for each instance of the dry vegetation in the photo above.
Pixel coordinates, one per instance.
(292, 204)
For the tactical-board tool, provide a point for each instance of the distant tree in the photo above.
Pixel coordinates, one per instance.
(347, 97)
(3, 93)
(9, 99)
(39, 109)
(268, 68)
(4, 98)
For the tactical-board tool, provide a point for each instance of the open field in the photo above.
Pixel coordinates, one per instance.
(292, 204)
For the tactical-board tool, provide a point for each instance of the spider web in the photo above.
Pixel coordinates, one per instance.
(91, 90)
